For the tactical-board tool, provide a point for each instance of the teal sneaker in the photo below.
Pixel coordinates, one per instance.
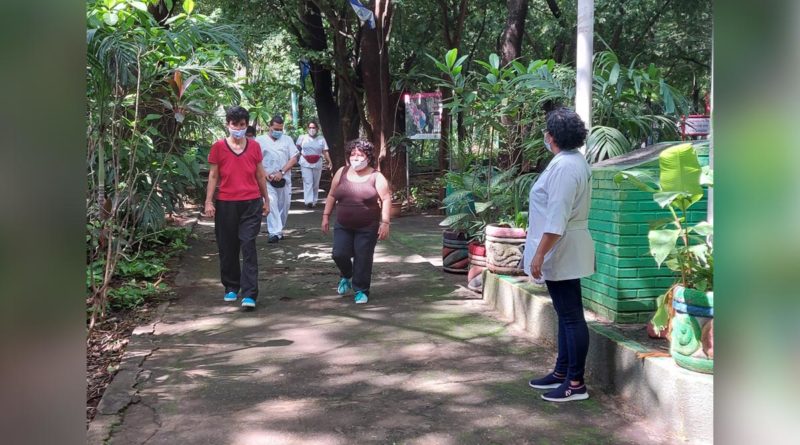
(344, 286)
(231, 296)
(361, 298)
(248, 303)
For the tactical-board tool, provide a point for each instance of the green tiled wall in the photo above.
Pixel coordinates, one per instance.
(627, 280)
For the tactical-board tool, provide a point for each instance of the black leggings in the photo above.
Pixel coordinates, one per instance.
(353, 251)
(573, 334)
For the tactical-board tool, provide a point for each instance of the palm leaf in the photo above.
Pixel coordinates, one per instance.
(606, 142)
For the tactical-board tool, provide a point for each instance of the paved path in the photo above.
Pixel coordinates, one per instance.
(424, 362)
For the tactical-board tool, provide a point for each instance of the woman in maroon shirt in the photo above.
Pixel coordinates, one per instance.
(360, 220)
(235, 163)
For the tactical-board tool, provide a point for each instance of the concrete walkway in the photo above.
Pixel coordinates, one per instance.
(424, 362)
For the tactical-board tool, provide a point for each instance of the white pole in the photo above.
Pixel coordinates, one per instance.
(583, 62)
(710, 211)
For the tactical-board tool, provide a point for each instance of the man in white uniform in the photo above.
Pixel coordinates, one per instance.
(280, 155)
(312, 148)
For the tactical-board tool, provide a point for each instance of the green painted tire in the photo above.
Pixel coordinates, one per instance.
(704, 365)
(694, 297)
(686, 334)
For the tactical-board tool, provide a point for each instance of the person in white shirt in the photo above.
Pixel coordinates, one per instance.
(280, 155)
(559, 249)
(313, 149)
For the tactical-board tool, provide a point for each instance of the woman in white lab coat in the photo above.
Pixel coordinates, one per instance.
(559, 249)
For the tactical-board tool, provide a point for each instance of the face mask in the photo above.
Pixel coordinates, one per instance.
(276, 134)
(358, 165)
(547, 145)
(237, 134)
(312, 132)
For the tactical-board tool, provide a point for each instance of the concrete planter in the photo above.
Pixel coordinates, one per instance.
(692, 337)
(455, 256)
(477, 263)
(504, 246)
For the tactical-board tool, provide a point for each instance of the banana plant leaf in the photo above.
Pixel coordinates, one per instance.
(680, 173)
(662, 242)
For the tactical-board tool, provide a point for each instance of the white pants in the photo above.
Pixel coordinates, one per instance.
(311, 184)
(279, 200)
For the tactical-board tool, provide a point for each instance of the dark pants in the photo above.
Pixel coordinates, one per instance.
(353, 250)
(573, 334)
(236, 225)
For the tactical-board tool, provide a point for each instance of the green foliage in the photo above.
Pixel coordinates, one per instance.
(485, 195)
(155, 88)
(422, 199)
(630, 105)
(683, 247)
(133, 293)
(678, 188)
(503, 107)
(138, 276)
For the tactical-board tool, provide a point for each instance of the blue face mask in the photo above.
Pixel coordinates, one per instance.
(237, 134)
(276, 134)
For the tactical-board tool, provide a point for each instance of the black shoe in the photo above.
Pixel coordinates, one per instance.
(567, 393)
(550, 381)
(273, 239)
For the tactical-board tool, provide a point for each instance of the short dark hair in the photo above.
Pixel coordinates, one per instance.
(362, 145)
(250, 130)
(236, 114)
(566, 128)
(276, 119)
(312, 121)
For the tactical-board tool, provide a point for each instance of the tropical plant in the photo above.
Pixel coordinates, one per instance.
(683, 247)
(630, 105)
(483, 195)
(503, 106)
(154, 87)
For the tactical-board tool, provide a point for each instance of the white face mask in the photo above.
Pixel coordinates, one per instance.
(358, 165)
(547, 145)
(237, 134)
(312, 132)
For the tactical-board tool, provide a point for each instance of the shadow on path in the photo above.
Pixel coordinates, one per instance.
(424, 362)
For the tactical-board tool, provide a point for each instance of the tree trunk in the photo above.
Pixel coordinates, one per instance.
(562, 46)
(444, 141)
(511, 40)
(510, 47)
(375, 76)
(322, 79)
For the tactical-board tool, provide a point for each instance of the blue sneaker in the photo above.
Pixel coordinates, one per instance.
(231, 296)
(361, 298)
(344, 286)
(248, 302)
(550, 381)
(567, 393)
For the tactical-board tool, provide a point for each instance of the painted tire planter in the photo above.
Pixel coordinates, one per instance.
(504, 246)
(692, 337)
(477, 263)
(455, 256)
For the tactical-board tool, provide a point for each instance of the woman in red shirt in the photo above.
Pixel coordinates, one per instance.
(235, 164)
